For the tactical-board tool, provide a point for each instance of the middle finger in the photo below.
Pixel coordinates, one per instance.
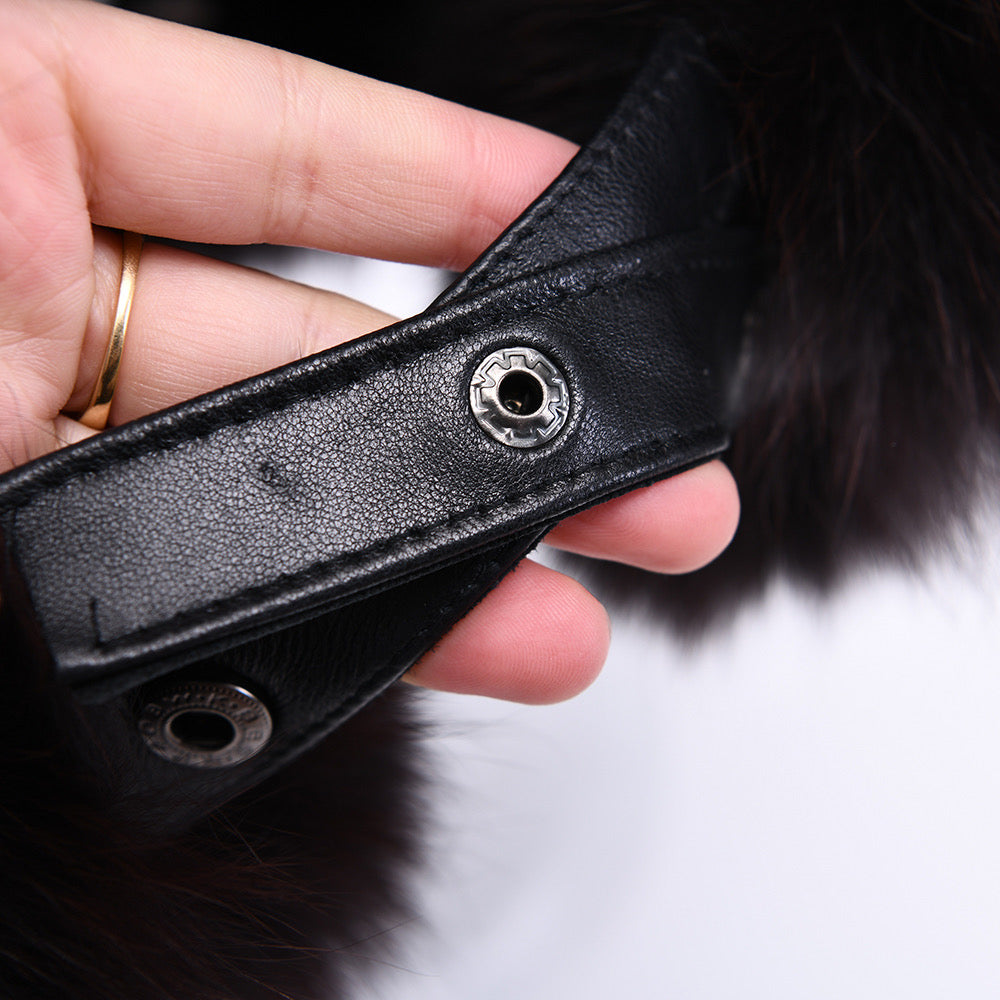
(190, 135)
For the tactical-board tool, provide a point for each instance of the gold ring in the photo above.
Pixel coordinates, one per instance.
(96, 412)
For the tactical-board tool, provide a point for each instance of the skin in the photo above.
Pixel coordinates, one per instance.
(110, 120)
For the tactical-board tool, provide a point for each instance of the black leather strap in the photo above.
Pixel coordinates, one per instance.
(356, 485)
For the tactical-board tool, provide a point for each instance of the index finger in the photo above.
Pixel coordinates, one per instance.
(196, 136)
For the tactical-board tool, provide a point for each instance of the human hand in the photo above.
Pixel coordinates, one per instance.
(110, 119)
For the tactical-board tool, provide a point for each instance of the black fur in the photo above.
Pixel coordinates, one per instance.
(869, 409)
(290, 891)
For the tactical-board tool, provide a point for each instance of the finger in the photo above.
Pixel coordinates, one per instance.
(197, 324)
(192, 135)
(673, 526)
(538, 638)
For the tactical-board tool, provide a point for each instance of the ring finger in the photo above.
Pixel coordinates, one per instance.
(197, 324)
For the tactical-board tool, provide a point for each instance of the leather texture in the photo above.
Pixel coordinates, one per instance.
(353, 495)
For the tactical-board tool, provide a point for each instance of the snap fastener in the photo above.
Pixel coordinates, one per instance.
(205, 724)
(519, 397)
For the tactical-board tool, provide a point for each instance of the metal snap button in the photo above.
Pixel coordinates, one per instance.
(519, 397)
(205, 724)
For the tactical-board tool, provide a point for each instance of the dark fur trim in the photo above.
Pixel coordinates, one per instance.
(869, 411)
(288, 892)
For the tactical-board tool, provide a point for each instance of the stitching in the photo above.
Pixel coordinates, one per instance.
(389, 673)
(604, 148)
(653, 447)
(306, 385)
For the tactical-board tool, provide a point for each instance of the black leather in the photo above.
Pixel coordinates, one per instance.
(355, 485)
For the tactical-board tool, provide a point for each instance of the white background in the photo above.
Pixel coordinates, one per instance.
(805, 806)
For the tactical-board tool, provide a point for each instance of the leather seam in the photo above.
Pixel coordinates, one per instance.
(273, 399)
(386, 546)
(607, 150)
(377, 681)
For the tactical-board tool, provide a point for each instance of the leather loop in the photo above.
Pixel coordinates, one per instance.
(357, 486)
